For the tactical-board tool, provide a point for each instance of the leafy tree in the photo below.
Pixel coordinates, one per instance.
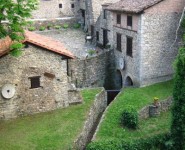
(13, 15)
(178, 110)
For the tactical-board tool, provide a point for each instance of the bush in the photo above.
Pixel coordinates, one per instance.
(149, 143)
(91, 52)
(42, 28)
(129, 118)
(32, 28)
(76, 25)
(57, 27)
(65, 26)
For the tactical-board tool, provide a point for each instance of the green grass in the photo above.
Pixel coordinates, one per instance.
(137, 97)
(55, 130)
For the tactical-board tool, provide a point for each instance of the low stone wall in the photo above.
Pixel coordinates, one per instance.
(95, 113)
(163, 106)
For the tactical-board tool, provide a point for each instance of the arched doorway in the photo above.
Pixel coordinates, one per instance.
(128, 81)
(118, 80)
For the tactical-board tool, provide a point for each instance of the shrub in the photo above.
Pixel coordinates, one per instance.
(91, 52)
(57, 27)
(16, 49)
(32, 28)
(129, 118)
(65, 26)
(42, 28)
(76, 25)
(49, 26)
(155, 142)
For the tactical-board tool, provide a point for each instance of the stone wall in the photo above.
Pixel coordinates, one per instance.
(74, 96)
(95, 113)
(163, 107)
(17, 71)
(158, 31)
(90, 72)
(49, 9)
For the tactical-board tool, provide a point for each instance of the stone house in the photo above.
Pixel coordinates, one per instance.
(52, 9)
(141, 32)
(35, 82)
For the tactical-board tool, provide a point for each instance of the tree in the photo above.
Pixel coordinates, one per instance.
(178, 110)
(13, 15)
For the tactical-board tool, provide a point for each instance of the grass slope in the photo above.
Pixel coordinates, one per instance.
(138, 97)
(55, 130)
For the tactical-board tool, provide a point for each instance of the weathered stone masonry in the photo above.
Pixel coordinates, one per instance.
(34, 62)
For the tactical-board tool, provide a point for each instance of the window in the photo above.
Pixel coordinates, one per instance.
(119, 41)
(97, 36)
(129, 46)
(60, 5)
(129, 21)
(118, 18)
(104, 14)
(35, 82)
(72, 6)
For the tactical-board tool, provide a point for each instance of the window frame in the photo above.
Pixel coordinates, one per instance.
(129, 46)
(118, 18)
(35, 82)
(129, 20)
(118, 45)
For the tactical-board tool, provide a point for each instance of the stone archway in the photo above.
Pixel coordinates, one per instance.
(118, 80)
(128, 81)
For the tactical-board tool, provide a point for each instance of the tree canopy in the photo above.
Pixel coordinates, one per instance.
(13, 16)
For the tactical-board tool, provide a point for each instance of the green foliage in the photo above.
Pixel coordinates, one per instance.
(57, 27)
(32, 28)
(15, 12)
(76, 25)
(178, 110)
(42, 28)
(65, 26)
(16, 49)
(152, 142)
(54, 130)
(91, 52)
(129, 117)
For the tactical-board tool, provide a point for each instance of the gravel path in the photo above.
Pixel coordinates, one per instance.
(73, 40)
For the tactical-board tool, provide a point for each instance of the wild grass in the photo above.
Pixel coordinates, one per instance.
(55, 130)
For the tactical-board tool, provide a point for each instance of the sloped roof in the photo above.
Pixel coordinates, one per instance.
(38, 40)
(47, 43)
(132, 6)
(5, 45)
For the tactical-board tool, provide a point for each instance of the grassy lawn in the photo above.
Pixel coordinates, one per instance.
(55, 130)
(137, 97)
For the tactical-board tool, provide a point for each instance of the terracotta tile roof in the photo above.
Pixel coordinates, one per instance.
(39, 40)
(47, 43)
(132, 6)
(5, 45)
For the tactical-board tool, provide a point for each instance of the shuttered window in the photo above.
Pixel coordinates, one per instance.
(119, 41)
(129, 46)
(129, 21)
(35, 82)
(118, 18)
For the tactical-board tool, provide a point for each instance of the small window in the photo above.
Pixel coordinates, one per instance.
(129, 46)
(104, 14)
(72, 6)
(119, 41)
(129, 21)
(118, 18)
(60, 5)
(97, 36)
(35, 82)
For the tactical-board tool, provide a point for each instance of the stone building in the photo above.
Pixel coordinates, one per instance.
(52, 9)
(36, 81)
(141, 32)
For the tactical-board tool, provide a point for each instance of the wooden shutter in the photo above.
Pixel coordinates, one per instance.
(129, 46)
(119, 41)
